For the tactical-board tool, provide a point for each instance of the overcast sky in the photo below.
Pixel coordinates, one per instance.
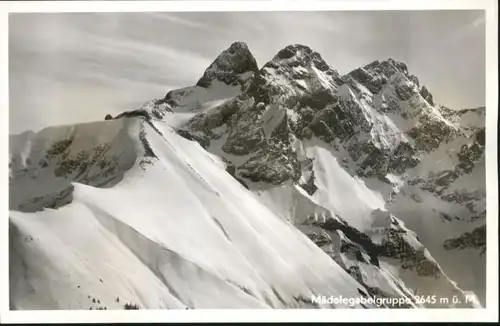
(67, 68)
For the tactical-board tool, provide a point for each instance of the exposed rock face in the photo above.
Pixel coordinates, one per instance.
(359, 253)
(255, 127)
(281, 167)
(245, 135)
(397, 242)
(430, 132)
(470, 154)
(469, 240)
(232, 66)
(153, 109)
(66, 160)
(373, 82)
(426, 95)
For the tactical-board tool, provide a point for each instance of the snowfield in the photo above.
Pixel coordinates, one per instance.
(339, 191)
(181, 233)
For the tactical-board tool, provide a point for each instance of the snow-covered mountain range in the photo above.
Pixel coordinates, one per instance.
(256, 187)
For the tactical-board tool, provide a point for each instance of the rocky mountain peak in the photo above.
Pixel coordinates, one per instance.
(379, 73)
(300, 55)
(387, 67)
(383, 71)
(292, 50)
(233, 66)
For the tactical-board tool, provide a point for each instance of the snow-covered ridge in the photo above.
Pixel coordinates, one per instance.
(176, 232)
(43, 165)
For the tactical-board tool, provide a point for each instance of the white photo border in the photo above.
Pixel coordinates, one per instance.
(490, 313)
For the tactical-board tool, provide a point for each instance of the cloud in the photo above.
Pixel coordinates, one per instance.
(474, 26)
(115, 61)
(184, 22)
(478, 22)
(59, 102)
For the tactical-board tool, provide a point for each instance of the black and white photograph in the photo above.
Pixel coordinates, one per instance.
(218, 159)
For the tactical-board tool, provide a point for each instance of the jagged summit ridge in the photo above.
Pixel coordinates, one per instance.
(232, 66)
(379, 73)
(312, 99)
(378, 122)
(388, 66)
(298, 54)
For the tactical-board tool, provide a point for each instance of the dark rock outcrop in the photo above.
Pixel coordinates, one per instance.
(476, 239)
(229, 66)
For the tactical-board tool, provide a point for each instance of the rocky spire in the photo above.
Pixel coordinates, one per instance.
(298, 54)
(233, 66)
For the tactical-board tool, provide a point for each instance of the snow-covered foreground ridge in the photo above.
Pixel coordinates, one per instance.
(177, 231)
(285, 186)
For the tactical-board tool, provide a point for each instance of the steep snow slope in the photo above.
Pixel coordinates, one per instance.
(176, 232)
(346, 195)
